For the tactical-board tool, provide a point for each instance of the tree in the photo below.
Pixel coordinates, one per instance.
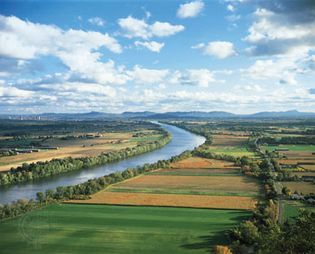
(286, 191)
(40, 196)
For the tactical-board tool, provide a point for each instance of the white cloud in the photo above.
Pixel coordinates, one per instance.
(219, 49)
(82, 88)
(230, 7)
(27, 40)
(201, 77)
(150, 45)
(281, 69)
(77, 49)
(277, 34)
(250, 88)
(147, 76)
(10, 91)
(190, 10)
(133, 27)
(97, 21)
(192, 77)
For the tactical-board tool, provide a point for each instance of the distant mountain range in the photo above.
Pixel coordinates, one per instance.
(160, 116)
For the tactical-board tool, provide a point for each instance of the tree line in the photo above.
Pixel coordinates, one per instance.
(82, 190)
(33, 171)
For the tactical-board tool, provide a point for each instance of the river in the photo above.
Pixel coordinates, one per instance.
(181, 140)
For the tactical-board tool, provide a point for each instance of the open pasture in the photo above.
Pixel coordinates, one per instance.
(171, 200)
(301, 187)
(236, 151)
(117, 229)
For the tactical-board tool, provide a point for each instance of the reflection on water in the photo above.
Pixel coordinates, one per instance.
(181, 140)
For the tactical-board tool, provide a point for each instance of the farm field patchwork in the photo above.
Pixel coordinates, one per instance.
(79, 229)
(229, 144)
(185, 187)
(298, 157)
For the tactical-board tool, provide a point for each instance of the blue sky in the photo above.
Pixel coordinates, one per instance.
(240, 56)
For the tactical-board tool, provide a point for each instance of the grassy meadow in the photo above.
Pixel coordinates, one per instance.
(79, 229)
(291, 208)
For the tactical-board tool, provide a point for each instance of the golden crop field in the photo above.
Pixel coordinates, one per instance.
(71, 148)
(216, 183)
(304, 187)
(196, 201)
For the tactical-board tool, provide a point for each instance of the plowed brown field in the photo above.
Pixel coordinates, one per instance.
(228, 140)
(197, 162)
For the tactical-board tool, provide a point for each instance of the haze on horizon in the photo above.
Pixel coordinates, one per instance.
(240, 56)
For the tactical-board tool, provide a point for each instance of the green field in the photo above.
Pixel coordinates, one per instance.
(236, 151)
(188, 192)
(290, 147)
(117, 229)
(291, 208)
(181, 172)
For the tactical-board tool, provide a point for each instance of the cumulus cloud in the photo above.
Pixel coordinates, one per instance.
(150, 45)
(190, 10)
(133, 27)
(77, 49)
(147, 76)
(282, 28)
(27, 40)
(200, 77)
(282, 70)
(97, 21)
(219, 49)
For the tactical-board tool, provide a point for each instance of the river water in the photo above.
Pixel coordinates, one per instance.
(181, 140)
